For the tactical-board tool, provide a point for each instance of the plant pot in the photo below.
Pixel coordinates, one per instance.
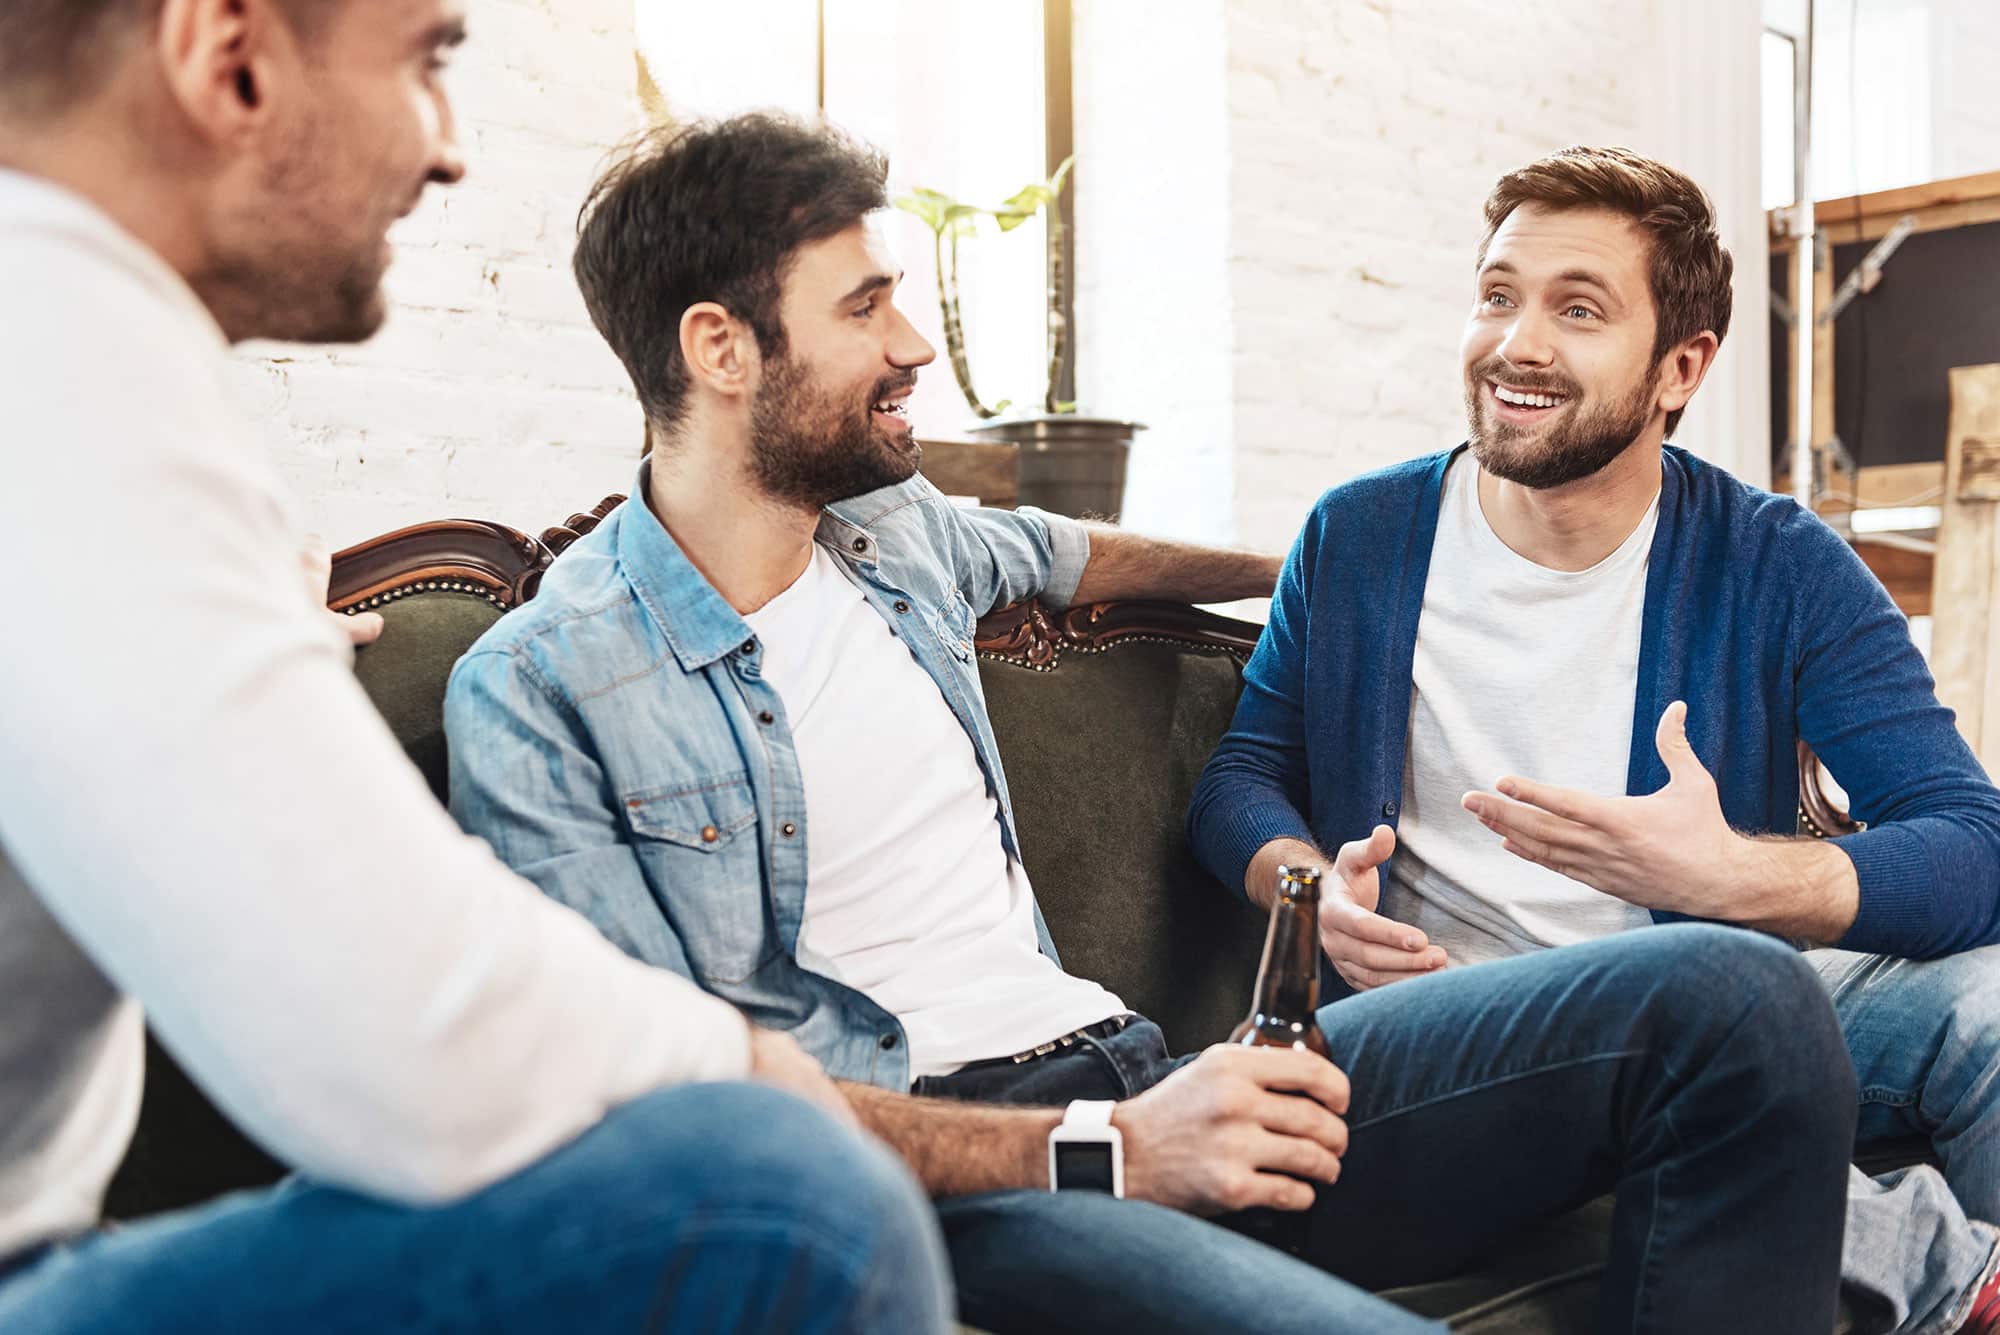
(1070, 465)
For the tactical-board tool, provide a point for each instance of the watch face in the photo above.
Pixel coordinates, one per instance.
(1083, 1165)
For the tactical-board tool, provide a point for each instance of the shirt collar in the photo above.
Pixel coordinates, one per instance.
(698, 622)
(700, 625)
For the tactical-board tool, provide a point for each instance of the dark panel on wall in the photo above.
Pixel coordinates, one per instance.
(1938, 306)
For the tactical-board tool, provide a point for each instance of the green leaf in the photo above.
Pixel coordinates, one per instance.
(937, 209)
(1002, 406)
(926, 205)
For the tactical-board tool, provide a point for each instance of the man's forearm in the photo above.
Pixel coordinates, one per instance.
(1800, 889)
(1131, 565)
(956, 1148)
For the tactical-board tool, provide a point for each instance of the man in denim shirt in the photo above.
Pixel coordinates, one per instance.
(741, 728)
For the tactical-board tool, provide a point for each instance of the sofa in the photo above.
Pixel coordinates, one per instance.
(1105, 713)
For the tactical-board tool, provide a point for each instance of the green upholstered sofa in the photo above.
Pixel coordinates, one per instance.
(1105, 714)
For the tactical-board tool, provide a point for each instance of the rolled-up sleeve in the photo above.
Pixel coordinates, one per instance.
(1004, 556)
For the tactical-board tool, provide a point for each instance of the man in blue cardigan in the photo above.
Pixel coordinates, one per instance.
(1548, 686)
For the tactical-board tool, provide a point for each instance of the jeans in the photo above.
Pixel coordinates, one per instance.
(1696, 1071)
(699, 1208)
(1924, 1036)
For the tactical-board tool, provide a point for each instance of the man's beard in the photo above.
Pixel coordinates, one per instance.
(1581, 445)
(295, 275)
(809, 450)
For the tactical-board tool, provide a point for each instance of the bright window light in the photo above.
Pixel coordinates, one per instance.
(952, 90)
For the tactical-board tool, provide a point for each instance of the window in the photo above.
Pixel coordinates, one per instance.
(954, 92)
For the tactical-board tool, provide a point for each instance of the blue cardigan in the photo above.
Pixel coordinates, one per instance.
(1757, 615)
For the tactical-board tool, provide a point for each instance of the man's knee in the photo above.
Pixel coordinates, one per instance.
(1716, 985)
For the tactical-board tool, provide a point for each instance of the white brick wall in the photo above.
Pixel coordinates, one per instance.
(488, 395)
(1358, 141)
(1965, 127)
(1153, 305)
(1278, 203)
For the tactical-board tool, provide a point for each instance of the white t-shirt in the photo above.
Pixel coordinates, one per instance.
(911, 898)
(1519, 670)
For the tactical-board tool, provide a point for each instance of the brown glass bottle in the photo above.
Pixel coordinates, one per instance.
(1283, 1015)
(1287, 999)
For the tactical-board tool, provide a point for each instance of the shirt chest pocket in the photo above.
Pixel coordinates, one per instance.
(698, 847)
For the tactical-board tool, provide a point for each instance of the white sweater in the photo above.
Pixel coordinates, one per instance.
(200, 810)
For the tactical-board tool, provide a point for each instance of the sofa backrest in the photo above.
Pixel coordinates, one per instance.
(1105, 716)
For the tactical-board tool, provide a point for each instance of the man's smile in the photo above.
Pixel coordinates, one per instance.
(893, 410)
(1524, 405)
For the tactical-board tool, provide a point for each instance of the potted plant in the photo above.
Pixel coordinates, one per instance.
(1070, 463)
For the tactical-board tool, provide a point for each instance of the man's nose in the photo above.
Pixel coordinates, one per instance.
(447, 158)
(907, 347)
(1526, 341)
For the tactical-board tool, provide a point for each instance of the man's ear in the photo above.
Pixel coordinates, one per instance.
(224, 59)
(719, 350)
(1685, 368)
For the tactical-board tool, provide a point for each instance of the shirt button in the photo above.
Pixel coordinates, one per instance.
(888, 1042)
(767, 718)
(902, 606)
(861, 544)
(709, 834)
(749, 648)
(1390, 809)
(788, 829)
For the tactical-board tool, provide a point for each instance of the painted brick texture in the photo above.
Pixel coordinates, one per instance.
(1365, 138)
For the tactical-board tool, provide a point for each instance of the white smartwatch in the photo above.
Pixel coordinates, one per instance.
(1086, 1152)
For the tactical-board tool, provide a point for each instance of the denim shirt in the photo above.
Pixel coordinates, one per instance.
(616, 743)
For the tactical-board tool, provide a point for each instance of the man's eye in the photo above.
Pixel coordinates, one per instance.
(1581, 312)
(865, 311)
(1495, 299)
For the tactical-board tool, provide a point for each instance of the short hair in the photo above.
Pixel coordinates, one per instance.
(51, 51)
(713, 211)
(55, 54)
(1688, 269)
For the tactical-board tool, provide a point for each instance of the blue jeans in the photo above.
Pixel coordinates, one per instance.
(1925, 1040)
(1696, 1071)
(700, 1208)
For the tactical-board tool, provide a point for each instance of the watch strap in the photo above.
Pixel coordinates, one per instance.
(1089, 1112)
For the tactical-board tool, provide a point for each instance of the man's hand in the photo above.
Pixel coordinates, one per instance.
(1367, 949)
(775, 1059)
(1230, 1130)
(317, 565)
(1670, 850)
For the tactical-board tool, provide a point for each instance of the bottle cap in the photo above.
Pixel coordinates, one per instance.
(1298, 875)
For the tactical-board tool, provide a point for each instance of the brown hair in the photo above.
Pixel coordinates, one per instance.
(1689, 268)
(55, 54)
(712, 211)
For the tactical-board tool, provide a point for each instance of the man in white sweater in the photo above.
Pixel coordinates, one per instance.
(501, 1121)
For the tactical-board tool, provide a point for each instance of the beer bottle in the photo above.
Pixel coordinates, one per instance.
(1283, 1015)
(1282, 1011)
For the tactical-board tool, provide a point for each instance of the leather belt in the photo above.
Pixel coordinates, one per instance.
(1102, 1029)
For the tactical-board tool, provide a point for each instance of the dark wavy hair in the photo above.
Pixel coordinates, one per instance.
(712, 212)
